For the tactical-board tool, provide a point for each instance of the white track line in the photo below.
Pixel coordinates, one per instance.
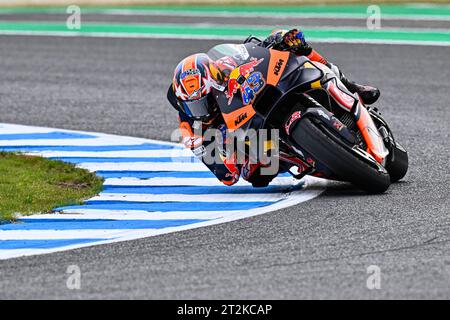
(59, 234)
(15, 129)
(157, 153)
(211, 197)
(133, 214)
(144, 166)
(184, 182)
(102, 141)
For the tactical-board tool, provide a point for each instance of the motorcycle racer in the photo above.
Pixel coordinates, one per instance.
(191, 95)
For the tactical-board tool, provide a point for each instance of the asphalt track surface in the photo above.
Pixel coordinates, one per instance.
(319, 249)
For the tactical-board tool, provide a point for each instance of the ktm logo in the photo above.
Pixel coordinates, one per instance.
(278, 66)
(240, 118)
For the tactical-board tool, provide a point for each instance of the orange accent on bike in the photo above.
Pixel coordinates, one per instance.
(277, 64)
(315, 56)
(236, 119)
(375, 145)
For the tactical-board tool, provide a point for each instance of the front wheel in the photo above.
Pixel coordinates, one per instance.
(343, 162)
(397, 164)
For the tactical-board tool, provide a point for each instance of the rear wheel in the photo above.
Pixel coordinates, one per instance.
(343, 162)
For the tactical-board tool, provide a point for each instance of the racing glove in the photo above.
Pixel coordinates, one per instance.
(292, 40)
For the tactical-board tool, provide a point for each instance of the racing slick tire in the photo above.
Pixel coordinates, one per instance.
(342, 162)
(397, 165)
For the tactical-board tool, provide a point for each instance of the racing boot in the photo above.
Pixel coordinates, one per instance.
(368, 94)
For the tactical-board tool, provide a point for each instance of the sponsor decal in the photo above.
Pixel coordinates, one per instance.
(240, 118)
(278, 65)
(239, 75)
(294, 117)
(254, 84)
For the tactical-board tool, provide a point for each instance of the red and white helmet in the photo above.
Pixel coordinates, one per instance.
(192, 84)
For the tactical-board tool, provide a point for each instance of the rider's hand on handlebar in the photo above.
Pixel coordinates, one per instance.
(294, 40)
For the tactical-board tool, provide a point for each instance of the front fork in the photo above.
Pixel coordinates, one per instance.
(371, 135)
(384, 130)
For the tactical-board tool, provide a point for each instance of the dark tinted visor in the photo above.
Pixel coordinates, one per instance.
(197, 109)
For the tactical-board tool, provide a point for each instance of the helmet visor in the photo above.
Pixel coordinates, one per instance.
(197, 109)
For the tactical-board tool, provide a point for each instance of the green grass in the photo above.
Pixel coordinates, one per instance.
(36, 185)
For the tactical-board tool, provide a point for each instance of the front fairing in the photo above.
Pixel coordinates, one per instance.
(252, 69)
(255, 69)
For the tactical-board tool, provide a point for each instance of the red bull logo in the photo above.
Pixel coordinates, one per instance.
(239, 75)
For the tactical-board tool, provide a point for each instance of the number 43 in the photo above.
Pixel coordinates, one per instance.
(251, 87)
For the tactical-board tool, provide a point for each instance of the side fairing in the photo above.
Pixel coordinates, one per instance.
(302, 75)
(255, 69)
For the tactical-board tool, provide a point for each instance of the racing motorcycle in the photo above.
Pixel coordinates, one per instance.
(324, 129)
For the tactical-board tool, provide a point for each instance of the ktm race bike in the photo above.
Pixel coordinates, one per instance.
(324, 130)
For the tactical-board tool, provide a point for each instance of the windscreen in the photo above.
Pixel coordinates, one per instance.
(236, 51)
